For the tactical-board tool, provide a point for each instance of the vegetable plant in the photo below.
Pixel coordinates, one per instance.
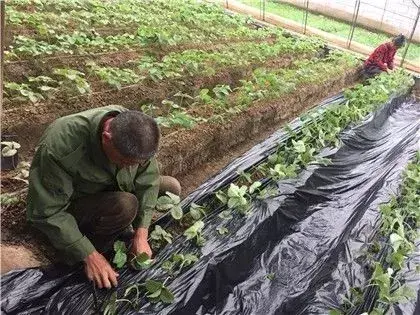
(177, 262)
(9, 148)
(72, 81)
(170, 202)
(194, 233)
(120, 257)
(160, 237)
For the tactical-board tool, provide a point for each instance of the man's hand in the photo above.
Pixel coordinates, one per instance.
(140, 244)
(99, 270)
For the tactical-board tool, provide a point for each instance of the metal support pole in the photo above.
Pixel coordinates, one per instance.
(383, 13)
(305, 16)
(353, 24)
(411, 37)
(263, 10)
(2, 34)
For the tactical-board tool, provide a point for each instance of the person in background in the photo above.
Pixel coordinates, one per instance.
(94, 177)
(382, 57)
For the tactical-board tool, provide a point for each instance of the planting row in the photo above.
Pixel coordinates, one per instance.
(191, 22)
(321, 128)
(172, 66)
(400, 219)
(216, 104)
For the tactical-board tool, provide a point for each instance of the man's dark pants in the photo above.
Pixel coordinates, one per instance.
(370, 71)
(102, 217)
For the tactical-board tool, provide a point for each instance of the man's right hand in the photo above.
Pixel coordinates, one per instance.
(98, 269)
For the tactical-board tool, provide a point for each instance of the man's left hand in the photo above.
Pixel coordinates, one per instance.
(140, 244)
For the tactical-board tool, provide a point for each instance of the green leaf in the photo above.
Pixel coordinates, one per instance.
(166, 296)
(164, 203)
(120, 246)
(222, 197)
(254, 186)
(120, 259)
(194, 229)
(233, 202)
(195, 213)
(396, 241)
(153, 285)
(226, 215)
(177, 213)
(270, 276)
(155, 294)
(222, 230)
(8, 152)
(175, 198)
(299, 146)
(190, 259)
(233, 191)
(141, 261)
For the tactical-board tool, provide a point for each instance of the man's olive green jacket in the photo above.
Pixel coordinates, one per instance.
(69, 164)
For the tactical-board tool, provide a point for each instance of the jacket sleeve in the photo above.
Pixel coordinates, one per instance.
(147, 190)
(50, 189)
(378, 56)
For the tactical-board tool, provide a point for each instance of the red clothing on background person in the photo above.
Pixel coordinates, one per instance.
(382, 57)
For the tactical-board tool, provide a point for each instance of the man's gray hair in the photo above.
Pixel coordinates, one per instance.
(135, 135)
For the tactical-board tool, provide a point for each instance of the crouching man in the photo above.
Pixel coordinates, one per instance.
(382, 57)
(94, 176)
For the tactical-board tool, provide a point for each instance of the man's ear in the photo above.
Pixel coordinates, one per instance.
(106, 136)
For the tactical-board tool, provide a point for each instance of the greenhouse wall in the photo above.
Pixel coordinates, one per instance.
(390, 16)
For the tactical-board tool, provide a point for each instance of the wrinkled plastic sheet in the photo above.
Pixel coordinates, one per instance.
(310, 237)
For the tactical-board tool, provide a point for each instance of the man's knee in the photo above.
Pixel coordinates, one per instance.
(169, 184)
(127, 206)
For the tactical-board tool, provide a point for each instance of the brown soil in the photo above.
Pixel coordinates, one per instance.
(29, 120)
(183, 150)
(18, 70)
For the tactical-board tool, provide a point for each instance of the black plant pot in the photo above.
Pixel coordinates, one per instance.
(9, 162)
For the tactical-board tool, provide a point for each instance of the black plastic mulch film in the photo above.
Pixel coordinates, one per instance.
(310, 237)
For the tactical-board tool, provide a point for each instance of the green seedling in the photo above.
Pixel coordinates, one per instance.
(194, 233)
(222, 230)
(171, 203)
(120, 257)
(9, 148)
(156, 292)
(197, 212)
(177, 262)
(235, 198)
(141, 261)
(160, 237)
(226, 215)
(73, 80)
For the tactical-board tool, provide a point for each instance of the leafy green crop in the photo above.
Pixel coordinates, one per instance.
(160, 237)
(114, 76)
(177, 262)
(141, 261)
(73, 81)
(194, 233)
(400, 221)
(170, 203)
(120, 257)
